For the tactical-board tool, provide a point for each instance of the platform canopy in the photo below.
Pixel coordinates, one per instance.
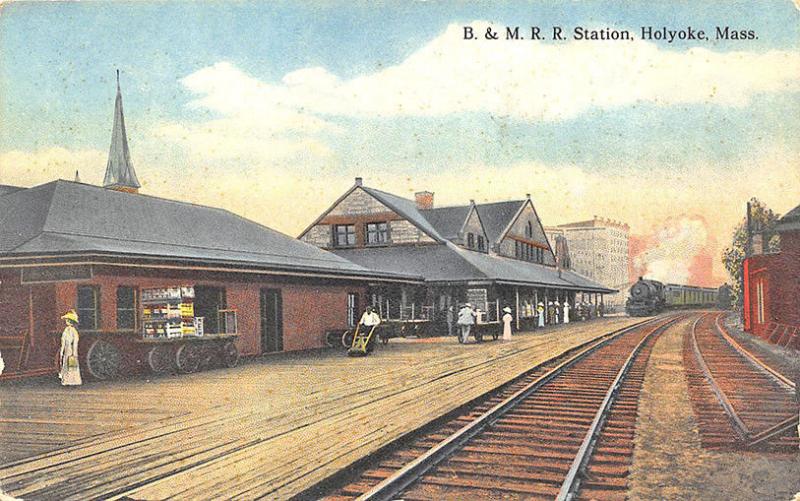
(451, 264)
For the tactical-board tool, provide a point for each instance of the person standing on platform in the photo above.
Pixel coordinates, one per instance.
(557, 312)
(507, 319)
(69, 371)
(450, 317)
(466, 319)
(540, 311)
(566, 312)
(549, 319)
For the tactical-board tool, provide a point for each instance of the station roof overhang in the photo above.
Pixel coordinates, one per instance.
(449, 265)
(520, 283)
(176, 263)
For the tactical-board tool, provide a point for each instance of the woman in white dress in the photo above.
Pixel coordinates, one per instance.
(507, 318)
(70, 371)
(540, 310)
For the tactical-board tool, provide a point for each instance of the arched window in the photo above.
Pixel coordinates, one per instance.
(529, 230)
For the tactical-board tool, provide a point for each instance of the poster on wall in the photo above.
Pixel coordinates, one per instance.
(230, 233)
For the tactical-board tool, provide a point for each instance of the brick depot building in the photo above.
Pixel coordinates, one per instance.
(772, 287)
(68, 245)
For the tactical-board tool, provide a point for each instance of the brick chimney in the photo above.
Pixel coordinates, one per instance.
(424, 199)
(359, 181)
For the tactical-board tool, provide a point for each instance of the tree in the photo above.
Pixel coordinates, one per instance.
(762, 221)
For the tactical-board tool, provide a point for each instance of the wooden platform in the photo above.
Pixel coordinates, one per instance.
(270, 428)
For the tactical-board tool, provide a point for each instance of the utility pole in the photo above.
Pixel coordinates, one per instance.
(748, 251)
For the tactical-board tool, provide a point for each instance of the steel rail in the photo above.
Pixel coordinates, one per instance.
(753, 359)
(571, 483)
(739, 427)
(787, 424)
(392, 485)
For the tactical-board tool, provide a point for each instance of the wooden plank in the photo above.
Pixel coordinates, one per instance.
(270, 428)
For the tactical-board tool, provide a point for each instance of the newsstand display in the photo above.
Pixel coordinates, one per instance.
(170, 338)
(168, 313)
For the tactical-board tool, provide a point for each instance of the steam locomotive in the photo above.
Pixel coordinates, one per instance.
(650, 297)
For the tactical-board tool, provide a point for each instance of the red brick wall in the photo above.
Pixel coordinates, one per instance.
(758, 273)
(780, 275)
(308, 310)
(785, 278)
(311, 310)
(17, 302)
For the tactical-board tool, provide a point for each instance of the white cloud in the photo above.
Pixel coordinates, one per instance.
(30, 168)
(270, 123)
(522, 79)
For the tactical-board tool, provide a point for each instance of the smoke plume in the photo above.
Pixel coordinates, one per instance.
(678, 251)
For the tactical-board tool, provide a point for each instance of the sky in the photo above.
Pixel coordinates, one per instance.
(270, 109)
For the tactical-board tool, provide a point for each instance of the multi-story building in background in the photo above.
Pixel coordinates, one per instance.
(598, 249)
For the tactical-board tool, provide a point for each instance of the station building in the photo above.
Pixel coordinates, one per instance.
(491, 255)
(69, 245)
(772, 287)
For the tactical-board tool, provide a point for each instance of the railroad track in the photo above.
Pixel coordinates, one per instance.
(740, 401)
(565, 430)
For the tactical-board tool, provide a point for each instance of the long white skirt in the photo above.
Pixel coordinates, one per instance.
(70, 376)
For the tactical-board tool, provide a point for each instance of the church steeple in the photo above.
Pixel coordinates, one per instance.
(119, 170)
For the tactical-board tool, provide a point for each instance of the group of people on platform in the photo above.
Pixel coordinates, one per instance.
(554, 313)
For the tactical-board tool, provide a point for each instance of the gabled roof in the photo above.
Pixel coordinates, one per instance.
(403, 207)
(407, 209)
(437, 263)
(789, 222)
(67, 217)
(448, 221)
(119, 169)
(498, 216)
(513, 271)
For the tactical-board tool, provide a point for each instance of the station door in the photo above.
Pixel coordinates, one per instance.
(271, 320)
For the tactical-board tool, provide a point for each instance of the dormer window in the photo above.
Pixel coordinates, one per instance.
(470, 240)
(377, 233)
(481, 243)
(344, 235)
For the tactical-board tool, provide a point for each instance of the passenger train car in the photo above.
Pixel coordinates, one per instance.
(649, 297)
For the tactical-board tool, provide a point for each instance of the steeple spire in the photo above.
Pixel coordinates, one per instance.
(119, 170)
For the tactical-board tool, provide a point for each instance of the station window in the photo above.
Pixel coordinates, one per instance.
(344, 235)
(377, 233)
(208, 301)
(760, 301)
(470, 240)
(352, 309)
(529, 230)
(528, 252)
(88, 307)
(481, 243)
(126, 307)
